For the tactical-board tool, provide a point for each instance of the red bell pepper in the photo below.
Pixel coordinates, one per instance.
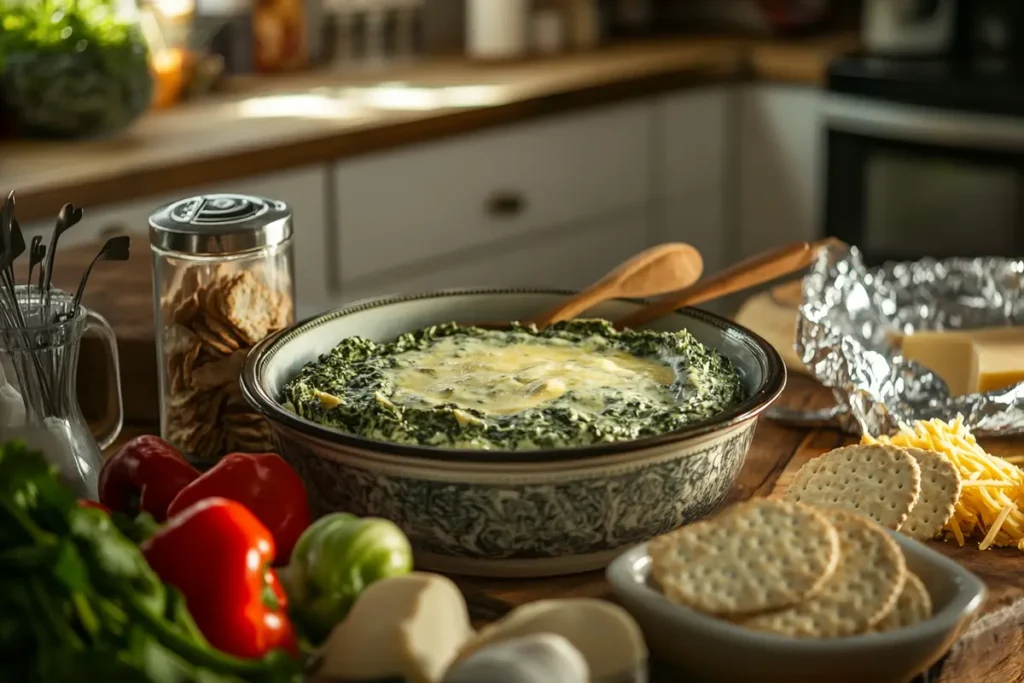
(144, 476)
(265, 484)
(218, 555)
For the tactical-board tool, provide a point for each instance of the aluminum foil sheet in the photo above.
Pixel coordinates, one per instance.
(848, 329)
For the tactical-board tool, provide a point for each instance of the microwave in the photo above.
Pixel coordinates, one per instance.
(925, 158)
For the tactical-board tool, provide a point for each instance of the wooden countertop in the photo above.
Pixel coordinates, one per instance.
(274, 123)
(991, 650)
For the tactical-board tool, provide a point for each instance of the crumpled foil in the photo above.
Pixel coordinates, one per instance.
(848, 329)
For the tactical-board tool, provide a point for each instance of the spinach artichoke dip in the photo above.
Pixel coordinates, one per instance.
(575, 383)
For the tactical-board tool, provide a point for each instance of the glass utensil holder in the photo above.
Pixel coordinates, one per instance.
(38, 387)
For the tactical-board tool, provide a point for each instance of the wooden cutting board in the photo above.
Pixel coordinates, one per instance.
(773, 315)
(990, 650)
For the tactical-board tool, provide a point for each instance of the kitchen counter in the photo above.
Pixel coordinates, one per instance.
(991, 650)
(276, 123)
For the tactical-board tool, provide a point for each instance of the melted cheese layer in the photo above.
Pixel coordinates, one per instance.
(497, 378)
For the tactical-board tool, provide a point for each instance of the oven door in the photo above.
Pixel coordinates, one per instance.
(910, 182)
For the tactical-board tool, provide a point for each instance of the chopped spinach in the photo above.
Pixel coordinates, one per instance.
(353, 388)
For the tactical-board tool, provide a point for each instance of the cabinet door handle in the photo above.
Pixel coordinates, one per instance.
(506, 204)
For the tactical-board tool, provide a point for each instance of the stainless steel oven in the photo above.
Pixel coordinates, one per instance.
(925, 158)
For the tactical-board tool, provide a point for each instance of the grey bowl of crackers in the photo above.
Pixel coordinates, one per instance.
(781, 591)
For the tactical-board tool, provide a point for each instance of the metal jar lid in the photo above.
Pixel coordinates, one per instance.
(220, 224)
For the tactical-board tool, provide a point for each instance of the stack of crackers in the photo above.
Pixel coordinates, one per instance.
(910, 490)
(213, 317)
(791, 569)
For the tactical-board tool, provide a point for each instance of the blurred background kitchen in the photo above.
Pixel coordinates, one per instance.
(442, 143)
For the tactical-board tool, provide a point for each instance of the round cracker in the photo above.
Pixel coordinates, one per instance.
(862, 590)
(881, 482)
(760, 555)
(913, 606)
(940, 490)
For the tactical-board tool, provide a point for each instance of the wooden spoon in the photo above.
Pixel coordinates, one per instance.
(754, 271)
(660, 269)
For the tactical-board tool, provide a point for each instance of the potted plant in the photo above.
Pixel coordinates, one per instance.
(71, 68)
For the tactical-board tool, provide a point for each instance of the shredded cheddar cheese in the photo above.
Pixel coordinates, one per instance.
(991, 505)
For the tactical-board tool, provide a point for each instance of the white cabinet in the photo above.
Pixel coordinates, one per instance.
(695, 218)
(303, 189)
(692, 158)
(781, 167)
(398, 211)
(693, 128)
(565, 259)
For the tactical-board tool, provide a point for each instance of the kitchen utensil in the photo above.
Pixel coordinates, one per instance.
(115, 249)
(69, 216)
(663, 268)
(36, 254)
(713, 650)
(15, 248)
(512, 513)
(5, 231)
(752, 272)
(12, 239)
(654, 271)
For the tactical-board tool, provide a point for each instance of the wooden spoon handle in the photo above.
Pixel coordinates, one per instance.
(568, 310)
(655, 270)
(754, 271)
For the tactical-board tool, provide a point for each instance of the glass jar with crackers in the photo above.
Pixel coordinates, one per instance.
(222, 282)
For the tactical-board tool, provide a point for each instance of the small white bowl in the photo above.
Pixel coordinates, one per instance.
(712, 650)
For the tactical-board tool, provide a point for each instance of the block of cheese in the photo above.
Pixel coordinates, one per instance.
(606, 635)
(537, 658)
(951, 355)
(997, 364)
(406, 627)
(947, 354)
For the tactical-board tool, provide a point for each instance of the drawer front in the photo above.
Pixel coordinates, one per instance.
(694, 127)
(570, 260)
(399, 208)
(303, 189)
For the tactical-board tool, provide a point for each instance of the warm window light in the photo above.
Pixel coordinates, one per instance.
(399, 96)
(309, 106)
(330, 103)
(174, 8)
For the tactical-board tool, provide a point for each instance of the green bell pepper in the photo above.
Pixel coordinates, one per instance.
(333, 562)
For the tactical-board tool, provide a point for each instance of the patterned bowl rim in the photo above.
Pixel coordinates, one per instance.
(255, 392)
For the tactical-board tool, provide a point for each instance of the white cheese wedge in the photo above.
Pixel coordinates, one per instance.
(605, 634)
(541, 658)
(408, 627)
